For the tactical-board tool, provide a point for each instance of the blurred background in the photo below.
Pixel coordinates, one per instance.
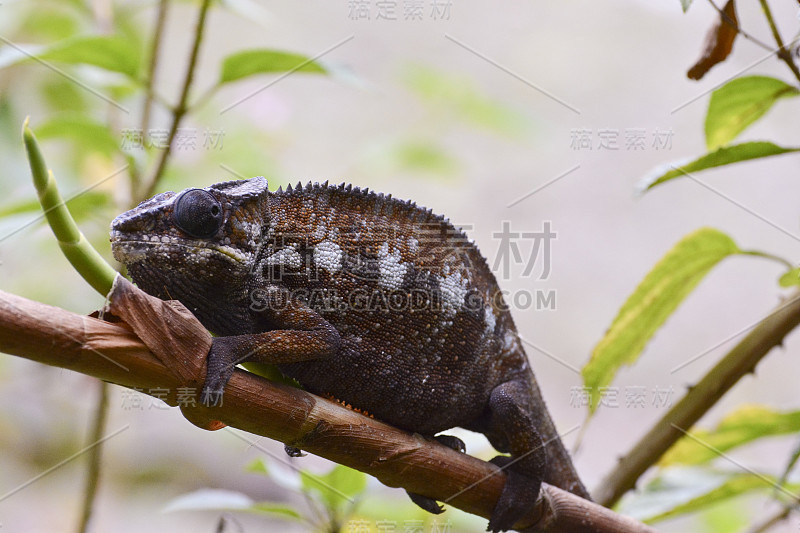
(492, 114)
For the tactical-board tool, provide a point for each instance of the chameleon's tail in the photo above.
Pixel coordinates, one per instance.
(560, 470)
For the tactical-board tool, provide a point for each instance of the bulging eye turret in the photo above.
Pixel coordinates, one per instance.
(198, 213)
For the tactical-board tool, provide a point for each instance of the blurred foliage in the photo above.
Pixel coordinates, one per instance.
(679, 490)
(82, 73)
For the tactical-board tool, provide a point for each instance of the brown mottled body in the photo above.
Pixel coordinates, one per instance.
(375, 301)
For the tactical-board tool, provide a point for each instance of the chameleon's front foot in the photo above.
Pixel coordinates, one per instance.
(220, 363)
(429, 504)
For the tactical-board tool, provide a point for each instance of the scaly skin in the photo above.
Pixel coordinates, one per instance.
(374, 301)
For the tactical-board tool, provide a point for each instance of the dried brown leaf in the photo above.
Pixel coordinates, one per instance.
(719, 42)
(168, 329)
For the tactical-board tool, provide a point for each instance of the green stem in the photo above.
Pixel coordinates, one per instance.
(83, 257)
(181, 109)
(783, 53)
(95, 453)
(766, 255)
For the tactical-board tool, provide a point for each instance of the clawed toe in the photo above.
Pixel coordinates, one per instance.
(518, 497)
(428, 504)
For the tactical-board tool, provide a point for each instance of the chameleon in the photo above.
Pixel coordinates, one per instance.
(368, 299)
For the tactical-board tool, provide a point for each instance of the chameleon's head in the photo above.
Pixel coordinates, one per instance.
(193, 244)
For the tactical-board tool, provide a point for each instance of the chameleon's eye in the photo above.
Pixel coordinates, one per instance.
(198, 213)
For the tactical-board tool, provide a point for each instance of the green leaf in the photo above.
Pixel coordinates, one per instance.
(19, 207)
(112, 53)
(278, 509)
(722, 156)
(790, 464)
(259, 466)
(790, 278)
(742, 426)
(459, 95)
(84, 130)
(739, 103)
(107, 52)
(682, 492)
(63, 95)
(653, 301)
(252, 62)
(227, 500)
(416, 156)
(78, 205)
(336, 488)
(685, 5)
(207, 499)
(50, 23)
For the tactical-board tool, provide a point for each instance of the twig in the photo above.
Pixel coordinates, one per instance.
(95, 453)
(111, 352)
(155, 47)
(783, 53)
(775, 519)
(737, 363)
(181, 109)
(150, 79)
(738, 28)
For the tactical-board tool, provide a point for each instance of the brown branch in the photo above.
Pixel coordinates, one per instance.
(112, 352)
(737, 363)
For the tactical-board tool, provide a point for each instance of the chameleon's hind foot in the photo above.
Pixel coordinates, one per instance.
(519, 495)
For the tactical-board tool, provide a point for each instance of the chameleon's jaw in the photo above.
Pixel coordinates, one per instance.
(129, 249)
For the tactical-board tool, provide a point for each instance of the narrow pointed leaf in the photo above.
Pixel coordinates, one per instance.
(82, 129)
(109, 52)
(722, 156)
(742, 426)
(228, 500)
(675, 500)
(337, 488)
(251, 62)
(653, 301)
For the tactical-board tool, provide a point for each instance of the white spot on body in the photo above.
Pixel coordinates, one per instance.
(490, 320)
(454, 290)
(286, 257)
(328, 255)
(391, 269)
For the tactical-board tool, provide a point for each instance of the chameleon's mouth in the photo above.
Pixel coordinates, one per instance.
(131, 249)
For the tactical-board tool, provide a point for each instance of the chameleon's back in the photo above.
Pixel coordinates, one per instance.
(424, 329)
(426, 335)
